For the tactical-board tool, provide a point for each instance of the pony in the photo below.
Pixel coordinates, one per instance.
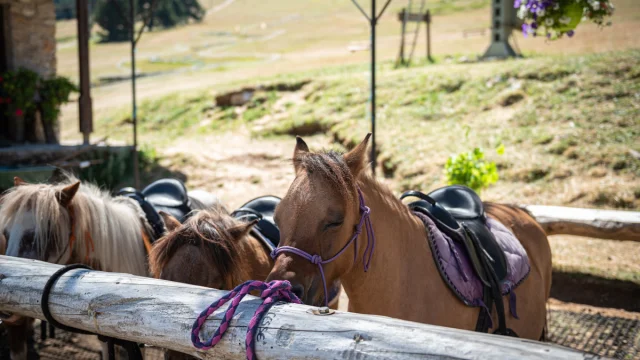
(323, 206)
(211, 249)
(67, 221)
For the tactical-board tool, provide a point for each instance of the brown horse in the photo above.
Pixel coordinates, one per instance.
(318, 215)
(211, 249)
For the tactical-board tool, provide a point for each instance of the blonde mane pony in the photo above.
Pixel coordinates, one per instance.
(108, 231)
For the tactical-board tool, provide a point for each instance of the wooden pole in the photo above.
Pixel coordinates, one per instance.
(161, 313)
(602, 224)
(84, 102)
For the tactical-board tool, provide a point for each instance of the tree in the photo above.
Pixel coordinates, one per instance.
(112, 16)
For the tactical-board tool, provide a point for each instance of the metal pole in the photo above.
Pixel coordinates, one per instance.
(429, 36)
(84, 103)
(373, 86)
(403, 15)
(134, 116)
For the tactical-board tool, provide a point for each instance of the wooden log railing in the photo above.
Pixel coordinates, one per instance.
(161, 313)
(602, 224)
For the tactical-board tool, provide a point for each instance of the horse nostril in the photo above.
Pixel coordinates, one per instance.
(298, 290)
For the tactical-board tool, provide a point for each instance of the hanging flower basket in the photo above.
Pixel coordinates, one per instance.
(560, 17)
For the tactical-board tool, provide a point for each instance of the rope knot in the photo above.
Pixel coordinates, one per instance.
(316, 259)
(277, 290)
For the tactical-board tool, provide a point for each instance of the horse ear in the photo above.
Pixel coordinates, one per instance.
(299, 151)
(169, 221)
(17, 181)
(66, 195)
(355, 157)
(57, 176)
(238, 232)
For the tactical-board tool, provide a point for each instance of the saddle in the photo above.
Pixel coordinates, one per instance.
(458, 212)
(168, 195)
(262, 209)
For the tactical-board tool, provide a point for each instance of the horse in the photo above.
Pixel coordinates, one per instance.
(212, 249)
(326, 202)
(66, 221)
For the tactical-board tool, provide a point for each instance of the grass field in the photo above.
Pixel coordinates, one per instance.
(568, 113)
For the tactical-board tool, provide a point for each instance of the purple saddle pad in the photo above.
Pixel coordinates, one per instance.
(457, 271)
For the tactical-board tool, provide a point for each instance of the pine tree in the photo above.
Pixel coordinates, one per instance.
(113, 15)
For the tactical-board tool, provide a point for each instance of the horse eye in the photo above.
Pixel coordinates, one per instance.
(333, 224)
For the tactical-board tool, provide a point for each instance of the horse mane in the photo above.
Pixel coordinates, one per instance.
(332, 167)
(211, 230)
(114, 234)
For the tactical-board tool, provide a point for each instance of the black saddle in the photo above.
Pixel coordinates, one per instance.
(458, 212)
(168, 195)
(262, 209)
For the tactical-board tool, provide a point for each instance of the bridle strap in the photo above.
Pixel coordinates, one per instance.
(365, 220)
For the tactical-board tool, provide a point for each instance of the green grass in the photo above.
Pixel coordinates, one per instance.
(558, 117)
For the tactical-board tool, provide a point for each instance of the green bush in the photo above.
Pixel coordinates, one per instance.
(471, 169)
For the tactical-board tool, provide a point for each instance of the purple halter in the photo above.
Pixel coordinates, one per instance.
(316, 259)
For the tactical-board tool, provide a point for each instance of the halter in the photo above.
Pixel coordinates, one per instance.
(365, 219)
(89, 247)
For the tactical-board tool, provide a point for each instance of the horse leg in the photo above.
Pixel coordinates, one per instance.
(18, 335)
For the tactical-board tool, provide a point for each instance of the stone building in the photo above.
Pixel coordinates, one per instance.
(28, 35)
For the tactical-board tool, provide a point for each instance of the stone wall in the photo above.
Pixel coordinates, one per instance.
(32, 35)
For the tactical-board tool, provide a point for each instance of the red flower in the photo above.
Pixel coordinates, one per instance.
(19, 112)
(1, 79)
(7, 100)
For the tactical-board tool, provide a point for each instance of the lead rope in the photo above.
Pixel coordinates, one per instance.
(277, 290)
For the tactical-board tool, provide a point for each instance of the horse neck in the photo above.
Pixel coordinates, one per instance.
(255, 259)
(115, 235)
(401, 251)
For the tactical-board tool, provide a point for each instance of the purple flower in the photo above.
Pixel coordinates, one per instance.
(534, 25)
(517, 3)
(525, 29)
(570, 33)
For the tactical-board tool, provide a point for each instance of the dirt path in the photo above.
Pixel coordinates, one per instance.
(236, 167)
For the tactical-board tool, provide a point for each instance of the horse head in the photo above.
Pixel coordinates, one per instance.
(319, 218)
(206, 250)
(36, 220)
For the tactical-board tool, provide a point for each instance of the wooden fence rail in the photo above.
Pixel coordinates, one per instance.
(161, 313)
(602, 224)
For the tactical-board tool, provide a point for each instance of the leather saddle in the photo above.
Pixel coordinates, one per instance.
(458, 212)
(262, 209)
(168, 195)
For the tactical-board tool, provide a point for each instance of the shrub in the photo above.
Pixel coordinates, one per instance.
(471, 169)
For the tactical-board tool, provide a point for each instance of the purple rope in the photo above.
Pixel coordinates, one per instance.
(277, 290)
(365, 220)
